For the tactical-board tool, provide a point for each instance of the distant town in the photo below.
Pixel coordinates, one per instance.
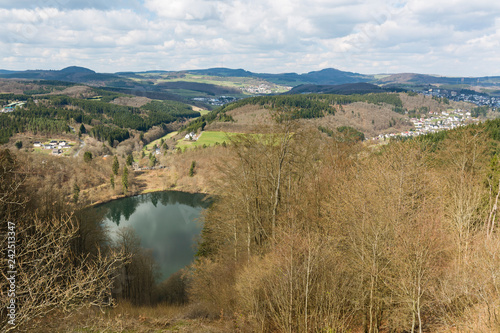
(446, 120)
(216, 101)
(470, 96)
(434, 122)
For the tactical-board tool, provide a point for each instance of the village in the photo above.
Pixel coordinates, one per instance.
(434, 122)
(480, 99)
(216, 101)
(57, 147)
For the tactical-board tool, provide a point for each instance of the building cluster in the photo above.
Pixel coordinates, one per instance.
(264, 89)
(191, 136)
(464, 96)
(57, 147)
(258, 89)
(12, 106)
(435, 122)
(217, 101)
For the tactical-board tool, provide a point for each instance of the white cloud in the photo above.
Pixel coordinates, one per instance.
(458, 37)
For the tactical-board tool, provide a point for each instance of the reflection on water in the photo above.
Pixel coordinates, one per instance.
(166, 222)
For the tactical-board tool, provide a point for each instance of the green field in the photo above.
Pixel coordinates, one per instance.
(207, 138)
(204, 112)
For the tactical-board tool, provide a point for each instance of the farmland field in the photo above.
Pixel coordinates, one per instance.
(207, 138)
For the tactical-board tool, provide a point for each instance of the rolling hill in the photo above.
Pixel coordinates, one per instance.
(69, 74)
(413, 78)
(341, 89)
(204, 87)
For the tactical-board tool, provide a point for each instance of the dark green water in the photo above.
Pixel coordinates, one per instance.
(168, 223)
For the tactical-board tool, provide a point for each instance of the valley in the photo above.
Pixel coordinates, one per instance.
(301, 183)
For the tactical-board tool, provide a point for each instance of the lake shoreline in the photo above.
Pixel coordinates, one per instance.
(167, 222)
(146, 191)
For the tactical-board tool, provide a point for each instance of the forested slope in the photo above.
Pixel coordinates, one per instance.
(311, 235)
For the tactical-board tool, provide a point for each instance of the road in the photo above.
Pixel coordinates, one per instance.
(82, 144)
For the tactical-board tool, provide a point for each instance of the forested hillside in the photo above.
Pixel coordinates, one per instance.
(53, 114)
(310, 231)
(307, 106)
(316, 235)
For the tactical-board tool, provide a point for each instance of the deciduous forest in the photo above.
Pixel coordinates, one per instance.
(310, 231)
(313, 234)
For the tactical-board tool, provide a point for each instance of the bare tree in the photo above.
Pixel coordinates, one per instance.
(42, 273)
(46, 277)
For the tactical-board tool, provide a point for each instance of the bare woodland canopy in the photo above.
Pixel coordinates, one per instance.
(310, 233)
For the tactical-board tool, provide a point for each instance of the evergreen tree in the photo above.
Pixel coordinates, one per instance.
(83, 130)
(112, 181)
(191, 170)
(125, 180)
(115, 166)
(130, 159)
(87, 156)
(152, 160)
(76, 192)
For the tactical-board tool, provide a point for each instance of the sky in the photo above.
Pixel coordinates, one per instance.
(445, 37)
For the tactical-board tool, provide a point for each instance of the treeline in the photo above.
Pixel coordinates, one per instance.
(176, 109)
(305, 106)
(109, 134)
(7, 98)
(40, 123)
(310, 234)
(325, 101)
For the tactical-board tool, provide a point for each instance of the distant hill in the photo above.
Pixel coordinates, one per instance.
(342, 89)
(76, 69)
(335, 76)
(220, 71)
(4, 71)
(188, 87)
(325, 76)
(413, 78)
(68, 74)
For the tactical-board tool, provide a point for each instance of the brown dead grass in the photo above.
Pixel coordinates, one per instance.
(16, 86)
(359, 115)
(247, 119)
(128, 318)
(370, 119)
(75, 92)
(135, 101)
(206, 171)
(415, 102)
